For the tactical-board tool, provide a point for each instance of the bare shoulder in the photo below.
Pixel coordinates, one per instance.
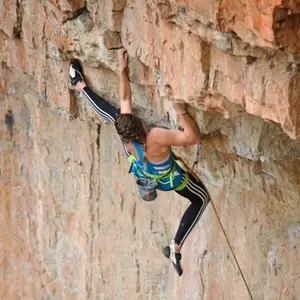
(169, 137)
(157, 131)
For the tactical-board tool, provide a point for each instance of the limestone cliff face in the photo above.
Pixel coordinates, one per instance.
(72, 225)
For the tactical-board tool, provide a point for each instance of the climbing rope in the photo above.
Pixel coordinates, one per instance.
(220, 223)
(231, 249)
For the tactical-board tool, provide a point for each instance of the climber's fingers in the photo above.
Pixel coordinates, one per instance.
(179, 107)
(123, 59)
(123, 54)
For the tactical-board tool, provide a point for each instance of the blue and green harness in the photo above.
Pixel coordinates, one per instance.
(167, 174)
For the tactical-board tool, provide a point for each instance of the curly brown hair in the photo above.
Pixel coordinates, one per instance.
(131, 128)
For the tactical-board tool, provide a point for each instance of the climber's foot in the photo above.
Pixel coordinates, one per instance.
(175, 258)
(76, 75)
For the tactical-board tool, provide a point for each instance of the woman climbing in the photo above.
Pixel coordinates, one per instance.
(150, 151)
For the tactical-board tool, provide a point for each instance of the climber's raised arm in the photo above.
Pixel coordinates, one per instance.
(189, 136)
(124, 85)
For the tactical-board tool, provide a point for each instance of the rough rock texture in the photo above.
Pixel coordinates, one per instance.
(72, 225)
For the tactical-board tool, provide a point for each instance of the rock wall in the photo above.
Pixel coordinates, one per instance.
(72, 226)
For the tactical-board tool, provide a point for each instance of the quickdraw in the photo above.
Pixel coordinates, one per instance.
(197, 157)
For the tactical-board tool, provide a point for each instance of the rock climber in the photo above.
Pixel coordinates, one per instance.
(150, 150)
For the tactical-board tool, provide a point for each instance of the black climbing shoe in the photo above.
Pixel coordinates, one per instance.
(175, 258)
(75, 72)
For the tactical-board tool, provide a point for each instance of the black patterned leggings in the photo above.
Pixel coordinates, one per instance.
(194, 191)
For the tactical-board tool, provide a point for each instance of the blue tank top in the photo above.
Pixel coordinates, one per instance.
(165, 168)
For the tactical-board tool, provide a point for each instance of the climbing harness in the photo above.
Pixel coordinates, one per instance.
(141, 171)
(147, 186)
